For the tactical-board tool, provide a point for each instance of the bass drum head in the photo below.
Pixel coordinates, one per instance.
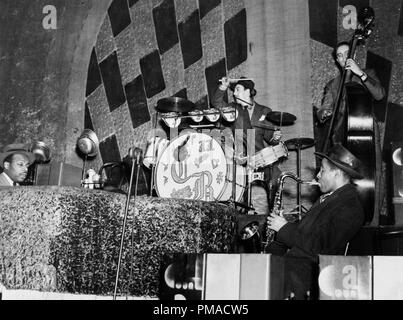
(226, 194)
(193, 166)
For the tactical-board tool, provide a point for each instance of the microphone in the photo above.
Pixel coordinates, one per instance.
(135, 153)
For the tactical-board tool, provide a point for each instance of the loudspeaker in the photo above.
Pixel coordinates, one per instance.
(58, 174)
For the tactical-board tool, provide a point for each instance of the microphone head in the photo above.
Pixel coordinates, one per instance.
(135, 153)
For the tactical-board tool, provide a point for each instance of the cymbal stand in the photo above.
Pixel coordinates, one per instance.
(301, 208)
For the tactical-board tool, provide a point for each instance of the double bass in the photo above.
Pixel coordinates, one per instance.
(359, 122)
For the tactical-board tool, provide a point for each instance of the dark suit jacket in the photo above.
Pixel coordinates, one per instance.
(257, 122)
(372, 85)
(327, 226)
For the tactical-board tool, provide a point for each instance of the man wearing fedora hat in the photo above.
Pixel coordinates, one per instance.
(15, 160)
(334, 218)
(251, 116)
(327, 227)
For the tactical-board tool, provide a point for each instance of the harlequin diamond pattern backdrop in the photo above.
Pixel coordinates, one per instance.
(148, 50)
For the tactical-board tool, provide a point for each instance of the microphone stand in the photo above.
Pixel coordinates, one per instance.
(154, 157)
(137, 153)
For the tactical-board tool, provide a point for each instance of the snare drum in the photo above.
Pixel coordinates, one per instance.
(193, 166)
(269, 155)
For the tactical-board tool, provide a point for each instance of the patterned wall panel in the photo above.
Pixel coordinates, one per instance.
(323, 21)
(119, 16)
(148, 50)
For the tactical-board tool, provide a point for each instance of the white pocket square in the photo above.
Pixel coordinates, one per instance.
(262, 118)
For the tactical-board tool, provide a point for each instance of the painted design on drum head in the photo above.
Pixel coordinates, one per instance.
(194, 161)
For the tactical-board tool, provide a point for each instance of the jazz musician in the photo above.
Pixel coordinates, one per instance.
(331, 222)
(251, 115)
(366, 78)
(15, 160)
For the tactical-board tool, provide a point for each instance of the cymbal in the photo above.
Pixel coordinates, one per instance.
(174, 104)
(282, 118)
(299, 143)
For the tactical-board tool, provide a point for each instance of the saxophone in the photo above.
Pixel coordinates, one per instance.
(278, 204)
(252, 229)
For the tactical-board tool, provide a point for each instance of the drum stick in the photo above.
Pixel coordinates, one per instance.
(236, 80)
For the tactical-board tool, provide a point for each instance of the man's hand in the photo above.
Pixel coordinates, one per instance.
(325, 114)
(353, 66)
(224, 83)
(277, 135)
(276, 222)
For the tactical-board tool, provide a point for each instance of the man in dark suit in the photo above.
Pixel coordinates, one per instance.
(363, 77)
(334, 218)
(327, 227)
(252, 131)
(15, 160)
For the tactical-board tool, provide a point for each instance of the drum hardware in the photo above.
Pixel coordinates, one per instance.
(229, 114)
(193, 126)
(172, 119)
(281, 118)
(257, 176)
(298, 144)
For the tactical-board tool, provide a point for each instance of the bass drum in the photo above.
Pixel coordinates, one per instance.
(193, 166)
(240, 183)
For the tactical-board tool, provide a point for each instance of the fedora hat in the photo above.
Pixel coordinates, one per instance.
(247, 84)
(344, 160)
(16, 148)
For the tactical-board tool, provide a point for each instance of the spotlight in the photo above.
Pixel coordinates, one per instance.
(41, 152)
(88, 143)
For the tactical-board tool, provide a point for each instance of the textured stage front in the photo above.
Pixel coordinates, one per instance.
(67, 239)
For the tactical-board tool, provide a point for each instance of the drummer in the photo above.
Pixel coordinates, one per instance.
(251, 116)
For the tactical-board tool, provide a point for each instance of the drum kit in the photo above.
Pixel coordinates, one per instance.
(200, 165)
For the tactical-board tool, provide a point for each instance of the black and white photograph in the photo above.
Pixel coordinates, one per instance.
(219, 152)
